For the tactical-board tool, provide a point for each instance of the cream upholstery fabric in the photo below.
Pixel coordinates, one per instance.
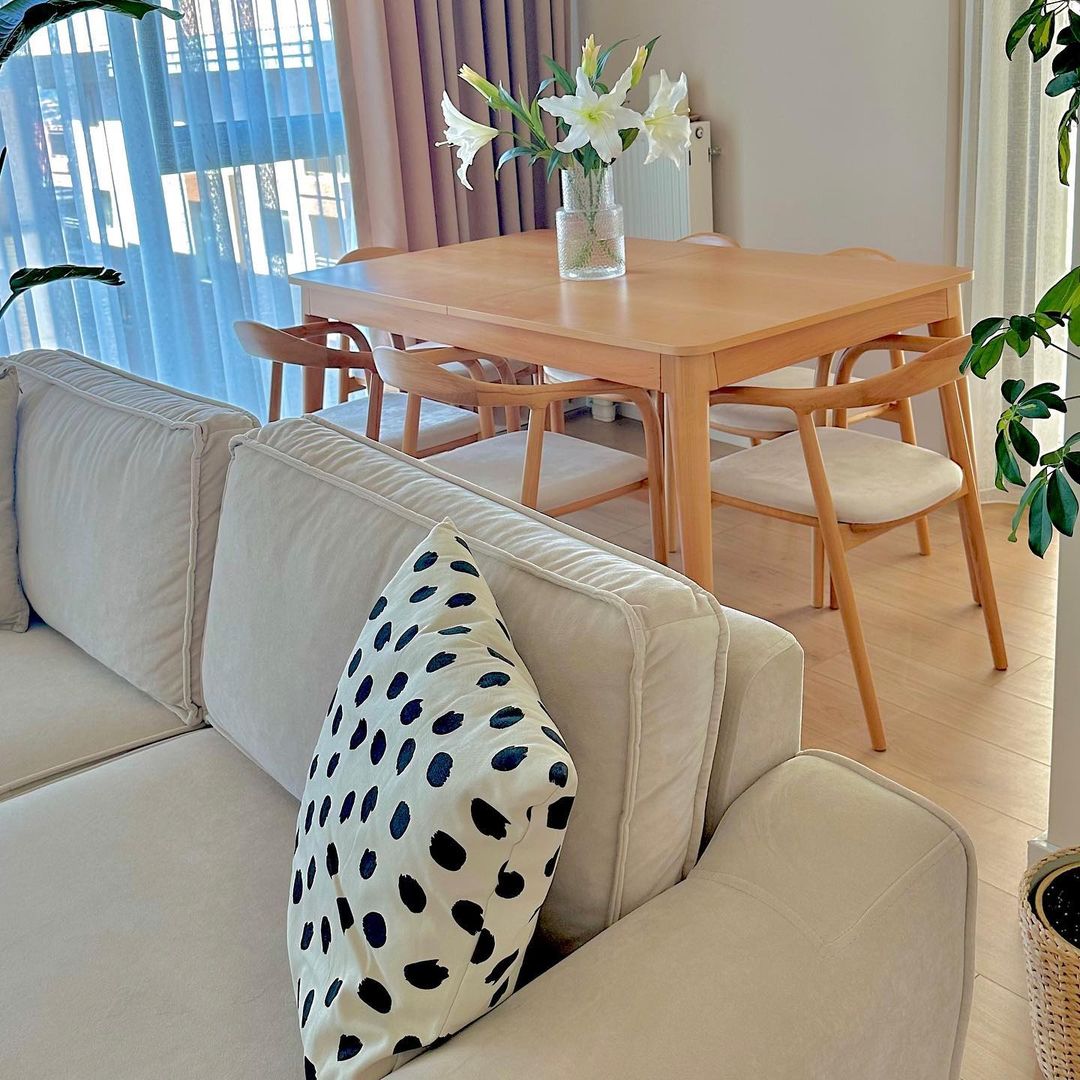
(765, 418)
(570, 469)
(118, 488)
(440, 424)
(61, 710)
(14, 611)
(761, 724)
(314, 521)
(827, 932)
(873, 480)
(142, 921)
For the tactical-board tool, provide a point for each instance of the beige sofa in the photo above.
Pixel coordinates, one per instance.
(724, 906)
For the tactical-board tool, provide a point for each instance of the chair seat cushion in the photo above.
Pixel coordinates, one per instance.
(571, 470)
(60, 709)
(873, 480)
(440, 425)
(142, 919)
(766, 419)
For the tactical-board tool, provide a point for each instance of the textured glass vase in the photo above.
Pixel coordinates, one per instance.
(589, 226)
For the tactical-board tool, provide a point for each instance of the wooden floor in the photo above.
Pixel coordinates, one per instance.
(974, 740)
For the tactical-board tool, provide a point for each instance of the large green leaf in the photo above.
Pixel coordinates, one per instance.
(1040, 527)
(1061, 503)
(1021, 27)
(1007, 468)
(20, 19)
(32, 277)
(1024, 443)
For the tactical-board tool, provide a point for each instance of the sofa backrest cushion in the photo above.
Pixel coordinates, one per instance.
(629, 659)
(118, 492)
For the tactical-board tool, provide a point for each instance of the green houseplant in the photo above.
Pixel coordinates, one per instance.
(1049, 500)
(19, 21)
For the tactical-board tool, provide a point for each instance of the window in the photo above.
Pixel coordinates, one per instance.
(204, 159)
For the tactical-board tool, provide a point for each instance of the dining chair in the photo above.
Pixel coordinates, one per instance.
(762, 423)
(542, 469)
(494, 368)
(850, 486)
(379, 413)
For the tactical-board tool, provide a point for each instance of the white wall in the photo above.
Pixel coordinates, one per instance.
(1063, 826)
(838, 120)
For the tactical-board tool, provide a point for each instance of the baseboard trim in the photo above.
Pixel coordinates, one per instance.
(1039, 847)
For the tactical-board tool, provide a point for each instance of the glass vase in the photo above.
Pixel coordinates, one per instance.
(589, 226)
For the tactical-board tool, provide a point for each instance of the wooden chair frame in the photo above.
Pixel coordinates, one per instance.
(419, 372)
(304, 346)
(936, 368)
(348, 383)
(898, 412)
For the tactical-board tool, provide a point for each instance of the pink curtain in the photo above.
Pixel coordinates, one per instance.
(396, 57)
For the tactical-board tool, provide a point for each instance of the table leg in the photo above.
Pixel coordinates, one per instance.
(951, 327)
(686, 381)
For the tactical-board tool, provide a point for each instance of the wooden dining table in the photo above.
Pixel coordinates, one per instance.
(685, 320)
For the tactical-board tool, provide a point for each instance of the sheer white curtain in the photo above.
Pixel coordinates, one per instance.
(1015, 221)
(205, 160)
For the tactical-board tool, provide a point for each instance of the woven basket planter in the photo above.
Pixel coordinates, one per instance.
(1053, 973)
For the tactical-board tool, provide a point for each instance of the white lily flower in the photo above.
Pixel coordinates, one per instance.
(667, 121)
(466, 135)
(594, 118)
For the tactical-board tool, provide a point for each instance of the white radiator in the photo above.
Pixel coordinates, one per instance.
(662, 202)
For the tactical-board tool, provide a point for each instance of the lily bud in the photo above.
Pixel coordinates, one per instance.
(478, 82)
(637, 66)
(590, 57)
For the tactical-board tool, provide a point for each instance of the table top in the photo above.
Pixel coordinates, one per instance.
(677, 298)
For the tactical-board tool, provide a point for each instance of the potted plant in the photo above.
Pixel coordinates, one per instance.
(1048, 499)
(19, 21)
(593, 127)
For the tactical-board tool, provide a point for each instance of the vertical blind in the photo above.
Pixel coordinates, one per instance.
(204, 159)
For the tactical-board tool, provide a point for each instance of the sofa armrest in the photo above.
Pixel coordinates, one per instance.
(826, 932)
(761, 717)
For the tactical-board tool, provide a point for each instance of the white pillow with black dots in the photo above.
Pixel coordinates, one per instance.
(431, 824)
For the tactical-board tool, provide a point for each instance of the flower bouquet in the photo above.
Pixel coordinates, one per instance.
(593, 126)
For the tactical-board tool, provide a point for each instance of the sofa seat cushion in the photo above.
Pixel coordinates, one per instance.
(142, 921)
(62, 710)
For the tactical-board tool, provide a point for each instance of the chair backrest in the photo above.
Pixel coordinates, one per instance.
(365, 253)
(419, 374)
(288, 347)
(712, 239)
(937, 367)
(293, 346)
(863, 253)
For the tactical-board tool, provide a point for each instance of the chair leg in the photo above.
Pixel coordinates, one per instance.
(860, 660)
(558, 417)
(654, 455)
(971, 523)
(841, 580)
(671, 514)
(818, 572)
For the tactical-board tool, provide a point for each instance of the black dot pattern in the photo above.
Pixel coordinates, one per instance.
(438, 797)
